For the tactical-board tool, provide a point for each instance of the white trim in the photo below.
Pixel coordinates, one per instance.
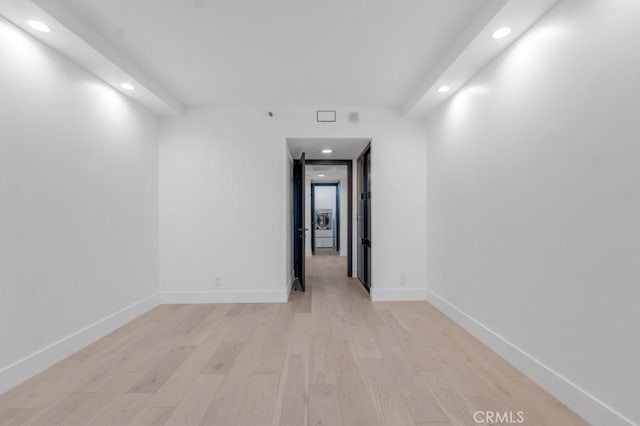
(21, 370)
(246, 296)
(579, 400)
(397, 294)
(290, 286)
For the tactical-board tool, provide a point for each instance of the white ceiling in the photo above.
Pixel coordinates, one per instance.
(343, 148)
(282, 52)
(179, 53)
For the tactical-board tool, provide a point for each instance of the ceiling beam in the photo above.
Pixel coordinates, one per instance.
(484, 16)
(474, 49)
(76, 39)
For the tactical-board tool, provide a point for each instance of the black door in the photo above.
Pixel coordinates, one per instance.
(299, 231)
(364, 219)
(313, 219)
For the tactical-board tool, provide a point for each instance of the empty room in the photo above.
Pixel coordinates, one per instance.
(337, 213)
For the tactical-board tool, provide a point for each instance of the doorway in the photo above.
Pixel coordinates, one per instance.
(349, 214)
(307, 156)
(301, 226)
(325, 218)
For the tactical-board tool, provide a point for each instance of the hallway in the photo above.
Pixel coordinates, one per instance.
(329, 356)
(166, 168)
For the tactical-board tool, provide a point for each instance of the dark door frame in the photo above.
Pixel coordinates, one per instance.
(349, 164)
(313, 209)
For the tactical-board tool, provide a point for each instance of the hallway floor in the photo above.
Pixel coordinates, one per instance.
(328, 357)
(327, 251)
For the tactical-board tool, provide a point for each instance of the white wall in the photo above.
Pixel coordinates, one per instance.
(223, 210)
(534, 206)
(344, 215)
(325, 197)
(78, 207)
(307, 213)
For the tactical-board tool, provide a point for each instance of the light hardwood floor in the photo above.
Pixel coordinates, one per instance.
(328, 357)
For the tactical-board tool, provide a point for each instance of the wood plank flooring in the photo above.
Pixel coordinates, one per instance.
(328, 357)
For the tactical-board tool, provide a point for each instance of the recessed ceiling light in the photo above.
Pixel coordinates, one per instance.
(39, 26)
(327, 151)
(320, 175)
(444, 89)
(127, 86)
(501, 33)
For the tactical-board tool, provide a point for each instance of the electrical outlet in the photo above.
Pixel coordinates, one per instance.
(218, 282)
(403, 280)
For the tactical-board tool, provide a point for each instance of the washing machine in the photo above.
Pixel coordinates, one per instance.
(324, 227)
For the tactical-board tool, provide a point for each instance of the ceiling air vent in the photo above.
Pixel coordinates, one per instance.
(326, 116)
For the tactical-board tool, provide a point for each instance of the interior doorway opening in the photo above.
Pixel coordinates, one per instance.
(325, 218)
(324, 201)
(326, 215)
(330, 206)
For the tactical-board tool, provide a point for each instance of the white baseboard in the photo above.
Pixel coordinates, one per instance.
(582, 402)
(397, 294)
(247, 296)
(290, 286)
(21, 370)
